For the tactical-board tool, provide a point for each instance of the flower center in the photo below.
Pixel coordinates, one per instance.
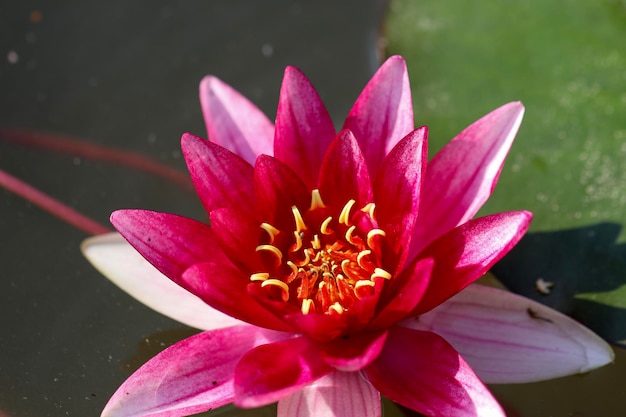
(326, 264)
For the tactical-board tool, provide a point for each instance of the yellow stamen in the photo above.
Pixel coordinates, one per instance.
(380, 273)
(369, 208)
(324, 227)
(300, 226)
(371, 234)
(298, 241)
(272, 249)
(259, 276)
(315, 243)
(305, 262)
(344, 217)
(362, 284)
(337, 308)
(316, 200)
(361, 255)
(307, 303)
(349, 232)
(271, 231)
(293, 267)
(277, 283)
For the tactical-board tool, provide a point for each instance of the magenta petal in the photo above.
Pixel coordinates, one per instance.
(507, 338)
(462, 175)
(397, 189)
(303, 127)
(344, 175)
(192, 376)
(169, 242)
(237, 233)
(221, 178)
(271, 372)
(340, 394)
(421, 371)
(224, 288)
(383, 113)
(353, 352)
(233, 122)
(466, 253)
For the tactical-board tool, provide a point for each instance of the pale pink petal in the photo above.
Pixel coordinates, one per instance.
(383, 113)
(421, 371)
(466, 253)
(507, 338)
(271, 372)
(113, 256)
(234, 122)
(462, 175)
(303, 127)
(194, 375)
(340, 394)
(221, 178)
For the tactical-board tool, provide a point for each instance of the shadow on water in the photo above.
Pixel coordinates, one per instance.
(578, 261)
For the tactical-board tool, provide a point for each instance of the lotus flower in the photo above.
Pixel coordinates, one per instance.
(332, 268)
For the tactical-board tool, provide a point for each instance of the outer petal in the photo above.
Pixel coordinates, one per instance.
(397, 188)
(233, 122)
(271, 372)
(125, 267)
(464, 254)
(353, 352)
(344, 173)
(383, 113)
(420, 370)
(169, 242)
(225, 288)
(221, 178)
(303, 127)
(192, 376)
(462, 175)
(340, 394)
(509, 339)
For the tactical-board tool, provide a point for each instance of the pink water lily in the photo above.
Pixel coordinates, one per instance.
(332, 268)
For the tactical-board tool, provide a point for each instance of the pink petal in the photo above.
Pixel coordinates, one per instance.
(192, 376)
(466, 253)
(344, 175)
(340, 394)
(353, 352)
(234, 122)
(383, 113)
(397, 189)
(511, 339)
(271, 372)
(225, 288)
(126, 268)
(406, 296)
(303, 127)
(277, 189)
(237, 234)
(169, 242)
(221, 178)
(421, 371)
(463, 174)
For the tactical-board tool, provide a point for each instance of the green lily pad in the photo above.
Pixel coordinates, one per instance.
(566, 62)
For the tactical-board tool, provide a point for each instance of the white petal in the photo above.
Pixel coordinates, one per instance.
(125, 267)
(340, 394)
(507, 338)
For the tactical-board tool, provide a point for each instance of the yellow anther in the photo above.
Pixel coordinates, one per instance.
(293, 267)
(305, 261)
(349, 232)
(380, 273)
(277, 283)
(300, 226)
(324, 227)
(344, 266)
(369, 209)
(361, 255)
(271, 231)
(307, 303)
(298, 238)
(371, 234)
(316, 200)
(362, 284)
(344, 217)
(328, 275)
(259, 276)
(315, 243)
(337, 308)
(272, 249)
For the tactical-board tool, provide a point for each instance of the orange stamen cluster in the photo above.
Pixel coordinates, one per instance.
(328, 268)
